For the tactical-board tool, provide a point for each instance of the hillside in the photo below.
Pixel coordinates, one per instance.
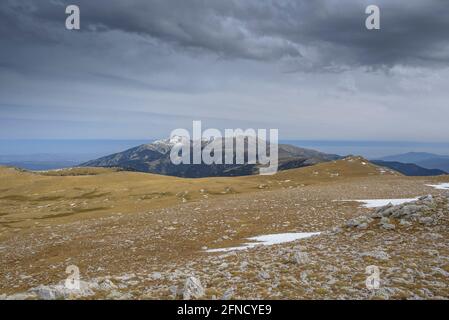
(439, 163)
(75, 193)
(409, 169)
(422, 159)
(410, 157)
(139, 235)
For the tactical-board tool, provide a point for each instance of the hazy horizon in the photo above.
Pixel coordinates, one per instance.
(88, 149)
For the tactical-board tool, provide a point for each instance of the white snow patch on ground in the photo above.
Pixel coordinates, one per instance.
(440, 186)
(376, 203)
(269, 240)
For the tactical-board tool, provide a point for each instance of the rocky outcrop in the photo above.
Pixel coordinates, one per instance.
(422, 211)
(60, 291)
(193, 289)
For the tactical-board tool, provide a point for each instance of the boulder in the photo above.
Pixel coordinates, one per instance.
(106, 285)
(426, 220)
(362, 226)
(405, 223)
(388, 212)
(358, 221)
(264, 275)
(20, 296)
(60, 291)
(156, 276)
(386, 224)
(407, 210)
(193, 289)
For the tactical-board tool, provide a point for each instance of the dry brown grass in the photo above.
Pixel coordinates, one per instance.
(111, 222)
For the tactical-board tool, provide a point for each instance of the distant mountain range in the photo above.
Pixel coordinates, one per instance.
(422, 159)
(408, 169)
(155, 158)
(44, 161)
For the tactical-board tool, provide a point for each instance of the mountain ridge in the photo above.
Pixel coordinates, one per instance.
(422, 159)
(155, 158)
(409, 169)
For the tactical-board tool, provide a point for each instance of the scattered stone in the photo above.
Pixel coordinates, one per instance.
(380, 255)
(301, 257)
(244, 265)
(59, 291)
(193, 289)
(117, 295)
(407, 210)
(356, 222)
(405, 223)
(426, 199)
(173, 291)
(388, 226)
(352, 223)
(126, 277)
(385, 224)
(384, 220)
(156, 276)
(228, 294)
(47, 293)
(388, 211)
(336, 230)
(21, 296)
(264, 275)
(106, 285)
(426, 220)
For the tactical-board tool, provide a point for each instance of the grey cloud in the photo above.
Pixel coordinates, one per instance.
(314, 34)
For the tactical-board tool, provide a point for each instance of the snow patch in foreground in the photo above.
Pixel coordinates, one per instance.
(269, 240)
(376, 203)
(440, 186)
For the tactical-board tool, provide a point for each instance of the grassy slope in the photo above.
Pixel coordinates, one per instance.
(68, 195)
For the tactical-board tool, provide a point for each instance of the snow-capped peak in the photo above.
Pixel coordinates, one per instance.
(169, 141)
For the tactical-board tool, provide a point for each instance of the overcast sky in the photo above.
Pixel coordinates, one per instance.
(138, 69)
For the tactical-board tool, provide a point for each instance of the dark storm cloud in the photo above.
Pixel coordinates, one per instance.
(319, 33)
